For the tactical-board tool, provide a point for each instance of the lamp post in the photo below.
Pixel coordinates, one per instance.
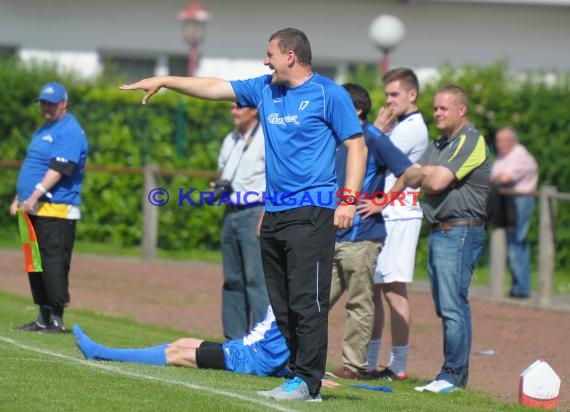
(386, 31)
(194, 18)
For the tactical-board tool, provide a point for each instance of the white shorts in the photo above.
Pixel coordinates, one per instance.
(397, 258)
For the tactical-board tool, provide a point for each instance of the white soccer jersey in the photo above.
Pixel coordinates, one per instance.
(410, 136)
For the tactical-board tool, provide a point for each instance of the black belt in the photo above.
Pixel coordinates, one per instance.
(239, 208)
(447, 225)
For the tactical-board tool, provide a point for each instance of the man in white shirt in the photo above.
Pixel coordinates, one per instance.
(395, 266)
(241, 164)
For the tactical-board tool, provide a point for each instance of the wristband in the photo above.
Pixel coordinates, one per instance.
(42, 189)
(351, 201)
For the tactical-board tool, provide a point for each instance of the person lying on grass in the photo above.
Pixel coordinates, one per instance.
(263, 352)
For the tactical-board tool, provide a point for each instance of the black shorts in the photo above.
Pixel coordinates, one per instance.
(210, 355)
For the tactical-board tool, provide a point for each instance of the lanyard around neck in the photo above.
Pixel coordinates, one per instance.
(246, 145)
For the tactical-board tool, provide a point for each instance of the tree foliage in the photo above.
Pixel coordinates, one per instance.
(181, 133)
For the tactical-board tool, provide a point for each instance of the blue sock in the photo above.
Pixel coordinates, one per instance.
(372, 353)
(155, 355)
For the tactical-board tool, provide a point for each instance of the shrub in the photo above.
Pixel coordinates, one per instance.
(176, 132)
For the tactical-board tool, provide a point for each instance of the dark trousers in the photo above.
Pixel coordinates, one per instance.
(297, 248)
(55, 240)
(244, 295)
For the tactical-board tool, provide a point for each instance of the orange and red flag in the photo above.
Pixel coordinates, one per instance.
(32, 258)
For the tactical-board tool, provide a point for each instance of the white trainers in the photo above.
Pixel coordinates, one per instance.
(293, 390)
(437, 386)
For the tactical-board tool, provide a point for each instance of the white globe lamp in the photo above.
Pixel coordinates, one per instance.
(386, 32)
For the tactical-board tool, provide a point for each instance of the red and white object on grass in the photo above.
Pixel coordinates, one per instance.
(539, 386)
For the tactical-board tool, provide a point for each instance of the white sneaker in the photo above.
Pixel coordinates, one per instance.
(437, 386)
(292, 390)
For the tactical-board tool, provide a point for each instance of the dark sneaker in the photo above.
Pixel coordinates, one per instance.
(344, 373)
(387, 375)
(55, 327)
(519, 295)
(31, 327)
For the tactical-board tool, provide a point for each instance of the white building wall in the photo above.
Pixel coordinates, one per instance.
(531, 37)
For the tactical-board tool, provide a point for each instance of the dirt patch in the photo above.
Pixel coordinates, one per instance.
(187, 296)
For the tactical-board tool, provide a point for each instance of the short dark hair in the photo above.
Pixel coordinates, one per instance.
(296, 40)
(360, 98)
(457, 91)
(405, 76)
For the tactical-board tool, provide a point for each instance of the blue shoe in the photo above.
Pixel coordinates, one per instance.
(293, 390)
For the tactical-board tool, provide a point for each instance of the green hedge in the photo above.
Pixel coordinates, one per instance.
(122, 132)
(176, 132)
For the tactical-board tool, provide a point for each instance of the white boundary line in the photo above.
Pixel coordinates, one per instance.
(120, 371)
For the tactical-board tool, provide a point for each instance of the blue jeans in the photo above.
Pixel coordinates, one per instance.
(244, 293)
(518, 247)
(453, 255)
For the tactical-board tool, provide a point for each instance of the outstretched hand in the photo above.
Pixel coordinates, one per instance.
(150, 86)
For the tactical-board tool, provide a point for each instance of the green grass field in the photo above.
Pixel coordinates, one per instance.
(42, 372)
